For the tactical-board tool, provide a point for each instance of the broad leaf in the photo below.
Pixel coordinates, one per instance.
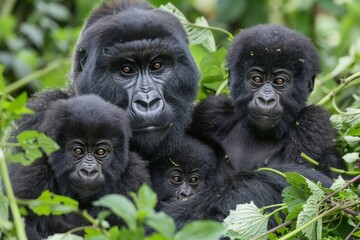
(64, 236)
(121, 207)
(351, 157)
(200, 230)
(354, 130)
(48, 203)
(245, 222)
(339, 182)
(162, 224)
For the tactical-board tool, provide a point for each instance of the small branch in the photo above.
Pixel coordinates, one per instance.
(285, 224)
(273, 171)
(351, 233)
(353, 180)
(37, 74)
(230, 36)
(339, 88)
(337, 170)
(222, 87)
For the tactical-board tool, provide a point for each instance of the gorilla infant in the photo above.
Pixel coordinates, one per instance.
(93, 160)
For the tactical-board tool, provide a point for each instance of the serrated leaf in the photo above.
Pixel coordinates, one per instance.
(296, 180)
(162, 224)
(121, 207)
(310, 210)
(294, 199)
(246, 221)
(48, 203)
(200, 230)
(198, 33)
(336, 121)
(338, 183)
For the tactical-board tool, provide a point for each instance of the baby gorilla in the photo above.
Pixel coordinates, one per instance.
(184, 173)
(93, 160)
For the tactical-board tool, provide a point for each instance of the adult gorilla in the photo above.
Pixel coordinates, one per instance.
(136, 57)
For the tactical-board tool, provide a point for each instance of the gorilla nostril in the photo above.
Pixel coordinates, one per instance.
(154, 104)
(141, 105)
(88, 173)
(183, 197)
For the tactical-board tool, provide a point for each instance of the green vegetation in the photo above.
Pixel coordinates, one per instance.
(36, 43)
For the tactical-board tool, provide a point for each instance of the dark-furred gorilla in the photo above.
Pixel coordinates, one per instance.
(137, 58)
(93, 160)
(182, 175)
(272, 71)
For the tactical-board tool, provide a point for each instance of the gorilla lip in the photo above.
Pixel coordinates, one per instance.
(152, 128)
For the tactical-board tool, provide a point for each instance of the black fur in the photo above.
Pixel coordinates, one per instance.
(90, 119)
(192, 158)
(132, 29)
(245, 144)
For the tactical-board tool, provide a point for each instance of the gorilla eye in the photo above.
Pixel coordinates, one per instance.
(157, 66)
(127, 70)
(101, 152)
(176, 179)
(194, 180)
(78, 151)
(257, 79)
(279, 81)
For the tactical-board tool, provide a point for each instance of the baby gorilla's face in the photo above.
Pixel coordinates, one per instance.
(184, 183)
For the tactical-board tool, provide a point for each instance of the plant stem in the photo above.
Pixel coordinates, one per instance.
(37, 74)
(337, 170)
(230, 36)
(19, 224)
(316, 218)
(273, 171)
(355, 228)
(343, 84)
(272, 230)
(222, 87)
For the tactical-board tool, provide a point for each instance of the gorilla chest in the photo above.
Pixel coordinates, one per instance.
(244, 151)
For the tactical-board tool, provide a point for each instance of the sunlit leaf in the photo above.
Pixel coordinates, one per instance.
(245, 222)
(354, 130)
(121, 207)
(351, 157)
(48, 203)
(338, 183)
(162, 223)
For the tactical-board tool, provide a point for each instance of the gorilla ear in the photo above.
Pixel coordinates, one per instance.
(311, 85)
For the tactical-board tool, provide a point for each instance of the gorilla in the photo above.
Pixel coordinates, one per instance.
(272, 71)
(93, 160)
(265, 124)
(137, 58)
(182, 175)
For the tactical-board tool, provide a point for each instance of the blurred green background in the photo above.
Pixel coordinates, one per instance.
(38, 33)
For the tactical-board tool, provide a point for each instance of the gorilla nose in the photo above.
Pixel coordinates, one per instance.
(184, 195)
(148, 105)
(266, 101)
(88, 173)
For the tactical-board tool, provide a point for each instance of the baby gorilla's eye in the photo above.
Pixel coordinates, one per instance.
(78, 151)
(156, 66)
(176, 179)
(101, 152)
(279, 81)
(127, 70)
(257, 79)
(194, 180)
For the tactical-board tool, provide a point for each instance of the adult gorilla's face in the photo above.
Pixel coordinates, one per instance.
(139, 59)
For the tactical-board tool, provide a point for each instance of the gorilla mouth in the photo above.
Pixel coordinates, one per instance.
(152, 128)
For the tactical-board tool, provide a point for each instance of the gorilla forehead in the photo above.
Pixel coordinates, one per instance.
(135, 24)
(273, 46)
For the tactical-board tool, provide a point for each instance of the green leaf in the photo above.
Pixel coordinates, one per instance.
(121, 207)
(198, 33)
(246, 222)
(146, 199)
(125, 233)
(94, 234)
(294, 198)
(354, 130)
(161, 223)
(338, 183)
(33, 143)
(352, 141)
(351, 157)
(296, 180)
(48, 203)
(200, 230)
(64, 236)
(336, 121)
(310, 210)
